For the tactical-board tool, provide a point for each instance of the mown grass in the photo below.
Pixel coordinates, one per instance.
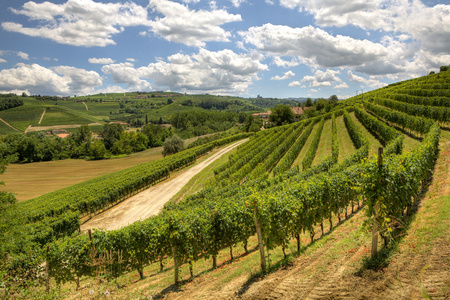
(302, 154)
(374, 144)
(196, 184)
(324, 147)
(346, 146)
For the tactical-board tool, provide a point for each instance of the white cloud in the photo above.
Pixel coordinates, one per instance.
(131, 60)
(286, 75)
(192, 28)
(370, 82)
(126, 73)
(270, 2)
(222, 72)
(313, 91)
(409, 18)
(341, 86)
(62, 80)
(295, 83)
(321, 78)
(78, 22)
(23, 55)
(2, 60)
(101, 61)
(237, 3)
(313, 45)
(284, 63)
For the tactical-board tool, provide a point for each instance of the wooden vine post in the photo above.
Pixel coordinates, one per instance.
(260, 239)
(47, 272)
(175, 265)
(376, 209)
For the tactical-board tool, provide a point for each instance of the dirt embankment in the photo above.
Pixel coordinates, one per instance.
(152, 200)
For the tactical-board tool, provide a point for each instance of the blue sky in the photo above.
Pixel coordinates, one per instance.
(272, 48)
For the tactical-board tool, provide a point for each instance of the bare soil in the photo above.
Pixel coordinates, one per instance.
(152, 200)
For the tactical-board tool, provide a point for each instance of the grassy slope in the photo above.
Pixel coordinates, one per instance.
(324, 147)
(346, 146)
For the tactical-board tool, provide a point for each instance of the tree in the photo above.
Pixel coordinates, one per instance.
(308, 102)
(333, 98)
(82, 135)
(281, 114)
(111, 134)
(173, 145)
(443, 68)
(97, 150)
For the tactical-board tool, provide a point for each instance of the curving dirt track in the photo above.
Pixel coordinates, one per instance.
(150, 201)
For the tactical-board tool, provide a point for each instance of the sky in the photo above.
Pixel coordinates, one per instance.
(272, 48)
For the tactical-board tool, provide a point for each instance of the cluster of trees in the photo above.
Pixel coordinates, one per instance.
(195, 123)
(9, 101)
(34, 147)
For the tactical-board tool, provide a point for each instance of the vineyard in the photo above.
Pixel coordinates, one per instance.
(257, 196)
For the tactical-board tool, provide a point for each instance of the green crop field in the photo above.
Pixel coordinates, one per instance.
(58, 116)
(22, 116)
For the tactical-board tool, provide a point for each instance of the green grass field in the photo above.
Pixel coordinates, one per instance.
(59, 116)
(22, 116)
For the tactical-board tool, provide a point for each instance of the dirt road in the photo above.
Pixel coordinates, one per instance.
(9, 124)
(152, 200)
(38, 128)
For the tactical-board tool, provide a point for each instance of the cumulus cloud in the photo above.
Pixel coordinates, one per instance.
(286, 75)
(78, 22)
(101, 61)
(411, 18)
(341, 86)
(313, 45)
(295, 83)
(284, 63)
(127, 74)
(321, 78)
(192, 28)
(62, 80)
(223, 72)
(370, 82)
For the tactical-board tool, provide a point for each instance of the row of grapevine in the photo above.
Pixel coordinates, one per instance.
(244, 155)
(418, 124)
(289, 158)
(243, 151)
(98, 193)
(379, 129)
(196, 229)
(261, 156)
(441, 114)
(309, 157)
(241, 168)
(424, 92)
(426, 101)
(396, 184)
(276, 155)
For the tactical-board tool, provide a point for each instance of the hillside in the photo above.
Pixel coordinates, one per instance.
(303, 183)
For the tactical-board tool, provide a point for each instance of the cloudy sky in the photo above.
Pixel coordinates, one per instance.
(272, 48)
